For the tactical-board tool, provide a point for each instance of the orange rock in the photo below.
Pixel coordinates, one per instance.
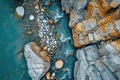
(48, 3)
(59, 64)
(75, 38)
(116, 44)
(48, 76)
(40, 52)
(51, 21)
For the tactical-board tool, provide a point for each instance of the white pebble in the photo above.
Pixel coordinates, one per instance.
(31, 17)
(20, 11)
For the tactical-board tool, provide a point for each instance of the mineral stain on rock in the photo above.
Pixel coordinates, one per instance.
(38, 60)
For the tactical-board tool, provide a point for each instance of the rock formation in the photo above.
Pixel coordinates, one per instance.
(95, 27)
(38, 60)
(98, 63)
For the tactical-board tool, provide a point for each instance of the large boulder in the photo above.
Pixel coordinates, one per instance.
(38, 60)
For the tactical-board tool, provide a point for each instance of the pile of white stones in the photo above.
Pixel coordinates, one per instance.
(46, 30)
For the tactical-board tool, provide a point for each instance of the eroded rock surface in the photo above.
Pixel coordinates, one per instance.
(98, 63)
(95, 27)
(93, 21)
(38, 60)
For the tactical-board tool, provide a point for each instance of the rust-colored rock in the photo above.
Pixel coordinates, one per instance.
(102, 23)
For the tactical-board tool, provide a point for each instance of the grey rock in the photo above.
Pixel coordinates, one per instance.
(81, 67)
(104, 71)
(76, 17)
(91, 53)
(98, 63)
(93, 73)
(37, 66)
(76, 8)
(117, 74)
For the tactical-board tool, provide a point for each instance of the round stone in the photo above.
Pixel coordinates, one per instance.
(59, 64)
(31, 17)
(20, 11)
(36, 7)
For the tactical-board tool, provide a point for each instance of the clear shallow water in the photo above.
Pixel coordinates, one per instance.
(65, 50)
(12, 62)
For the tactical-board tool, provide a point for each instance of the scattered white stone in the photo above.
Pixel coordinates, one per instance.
(31, 17)
(20, 11)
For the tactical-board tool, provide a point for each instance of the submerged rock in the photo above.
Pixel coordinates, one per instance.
(20, 11)
(38, 60)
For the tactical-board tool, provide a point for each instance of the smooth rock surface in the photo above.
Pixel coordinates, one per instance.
(38, 60)
(20, 11)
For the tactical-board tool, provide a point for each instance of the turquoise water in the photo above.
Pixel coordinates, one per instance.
(65, 50)
(12, 62)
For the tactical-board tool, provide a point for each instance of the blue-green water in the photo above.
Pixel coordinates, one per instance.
(65, 50)
(12, 62)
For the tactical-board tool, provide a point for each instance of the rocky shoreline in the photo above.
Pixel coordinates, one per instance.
(96, 35)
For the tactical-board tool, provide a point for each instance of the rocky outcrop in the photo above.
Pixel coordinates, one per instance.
(98, 63)
(76, 9)
(95, 27)
(93, 22)
(38, 60)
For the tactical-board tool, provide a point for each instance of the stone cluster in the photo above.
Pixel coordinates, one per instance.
(46, 29)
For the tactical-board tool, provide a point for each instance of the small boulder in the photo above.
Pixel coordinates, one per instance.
(20, 11)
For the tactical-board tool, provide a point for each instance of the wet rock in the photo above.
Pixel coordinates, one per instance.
(38, 60)
(81, 66)
(20, 11)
